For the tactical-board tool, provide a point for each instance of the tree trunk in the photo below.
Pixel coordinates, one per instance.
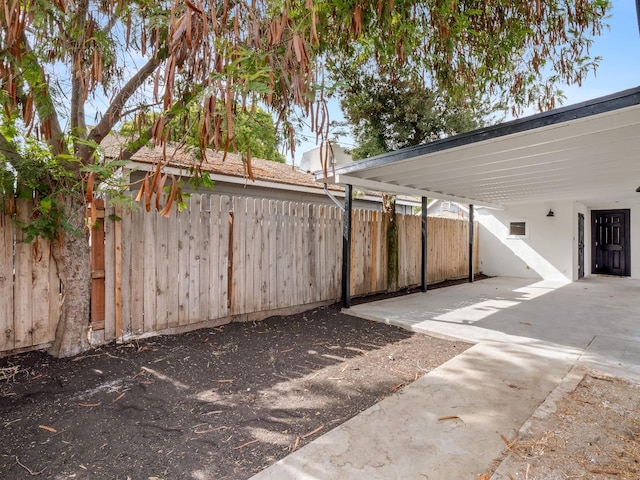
(72, 255)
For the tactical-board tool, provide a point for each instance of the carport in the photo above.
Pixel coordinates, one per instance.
(532, 336)
(585, 153)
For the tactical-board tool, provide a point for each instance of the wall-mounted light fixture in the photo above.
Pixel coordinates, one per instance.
(638, 189)
(551, 214)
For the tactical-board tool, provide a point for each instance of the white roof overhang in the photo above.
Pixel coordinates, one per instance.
(589, 152)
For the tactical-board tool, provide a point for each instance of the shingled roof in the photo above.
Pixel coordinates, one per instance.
(233, 166)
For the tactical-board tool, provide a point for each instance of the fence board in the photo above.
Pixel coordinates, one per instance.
(299, 260)
(237, 255)
(40, 293)
(281, 240)
(183, 267)
(7, 330)
(254, 254)
(224, 257)
(195, 248)
(332, 246)
(272, 233)
(137, 272)
(173, 270)
(321, 267)
(214, 262)
(127, 240)
(162, 254)
(302, 282)
(204, 261)
(315, 225)
(195, 242)
(109, 226)
(265, 253)
(288, 253)
(336, 269)
(23, 278)
(368, 248)
(375, 253)
(149, 272)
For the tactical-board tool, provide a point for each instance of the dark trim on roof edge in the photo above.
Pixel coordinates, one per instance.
(609, 103)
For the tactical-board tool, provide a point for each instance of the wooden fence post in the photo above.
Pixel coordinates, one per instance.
(471, 242)
(346, 247)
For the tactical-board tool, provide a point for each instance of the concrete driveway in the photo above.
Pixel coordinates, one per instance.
(451, 423)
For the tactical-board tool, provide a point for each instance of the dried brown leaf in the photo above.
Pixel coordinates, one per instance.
(246, 444)
(312, 432)
(449, 417)
(119, 397)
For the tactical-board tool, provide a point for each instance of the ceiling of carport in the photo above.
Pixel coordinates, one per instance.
(588, 152)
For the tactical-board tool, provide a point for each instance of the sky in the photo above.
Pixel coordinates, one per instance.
(619, 47)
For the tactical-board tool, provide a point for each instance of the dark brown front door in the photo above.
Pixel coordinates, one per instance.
(610, 242)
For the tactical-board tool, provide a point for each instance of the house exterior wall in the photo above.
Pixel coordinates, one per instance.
(549, 249)
(546, 250)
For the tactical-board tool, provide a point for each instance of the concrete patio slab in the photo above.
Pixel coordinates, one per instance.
(451, 423)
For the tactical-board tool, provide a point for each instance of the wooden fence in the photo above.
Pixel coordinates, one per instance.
(223, 259)
(447, 251)
(29, 287)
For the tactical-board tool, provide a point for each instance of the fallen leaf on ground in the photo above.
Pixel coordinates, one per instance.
(296, 444)
(312, 432)
(449, 417)
(510, 445)
(396, 387)
(245, 444)
(118, 398)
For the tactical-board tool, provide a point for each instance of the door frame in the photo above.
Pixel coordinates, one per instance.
(580, 245)
(626, 214)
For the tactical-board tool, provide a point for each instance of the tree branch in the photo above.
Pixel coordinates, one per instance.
(110, 24)
(114, 112)
(78, 126)
(42, 99)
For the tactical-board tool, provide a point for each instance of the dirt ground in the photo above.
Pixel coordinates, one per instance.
(221, 403)
(593, 434)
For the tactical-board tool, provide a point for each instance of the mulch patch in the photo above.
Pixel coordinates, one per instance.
(221, 403)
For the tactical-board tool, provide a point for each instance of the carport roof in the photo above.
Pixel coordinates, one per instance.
(587, 152)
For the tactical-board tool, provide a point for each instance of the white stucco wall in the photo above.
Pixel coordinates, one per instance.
(547, 250)
(550, 248)
(635, 242)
